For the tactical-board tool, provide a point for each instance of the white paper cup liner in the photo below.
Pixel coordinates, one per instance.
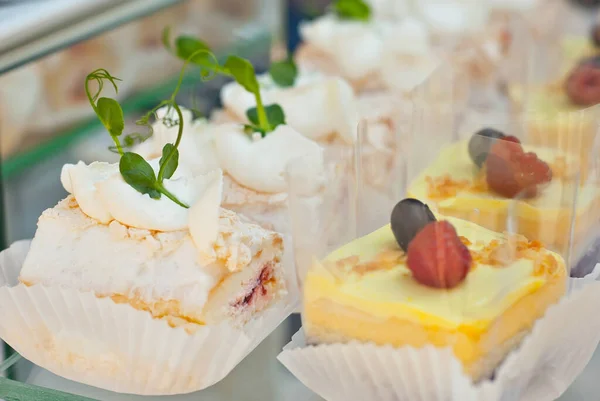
(559, 347)
(116, 347)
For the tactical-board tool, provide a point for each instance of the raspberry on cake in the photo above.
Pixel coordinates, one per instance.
(458, 285)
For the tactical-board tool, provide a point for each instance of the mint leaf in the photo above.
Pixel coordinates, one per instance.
(243, 72)
(138, 173)
(186, 46)
(171, 162)
(111, 115)
(275, 115)
(252, 115)
(352, 10)
(284, 73)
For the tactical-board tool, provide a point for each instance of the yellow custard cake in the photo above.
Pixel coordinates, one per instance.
(369, 290)
(455, 185)
(551, 106)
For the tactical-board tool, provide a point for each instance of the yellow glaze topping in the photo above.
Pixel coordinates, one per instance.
(391, 292)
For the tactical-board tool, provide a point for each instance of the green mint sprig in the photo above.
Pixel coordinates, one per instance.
(134, 169)
(264, 118)
(357, 10)
(284, 73)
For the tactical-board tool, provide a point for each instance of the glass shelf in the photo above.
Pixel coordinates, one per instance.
(37, 28)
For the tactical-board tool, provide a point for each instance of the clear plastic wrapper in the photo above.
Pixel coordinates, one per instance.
(404, 302)
(113, 346)
(442, 169)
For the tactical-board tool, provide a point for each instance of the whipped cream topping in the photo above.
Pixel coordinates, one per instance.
(103, 195)
(514, 5)
(356, 46)
(389, 9)
(196, 150)
(316, 106)
(454, 16)
(362, 49)
(260, 163)
(408, 62)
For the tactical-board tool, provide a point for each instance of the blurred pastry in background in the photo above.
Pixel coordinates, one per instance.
(327, 110)
(64, 100)
(563, 77)
(20, 91)
(540, 16)
(366, 51)
(152, 61)
(321, 108)
(493, 176)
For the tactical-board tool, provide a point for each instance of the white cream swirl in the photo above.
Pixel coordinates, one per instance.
(389, 9)
(260, 164)
(514, 5)
(356, 46)
(454, 16)
(103, 195)
(196, 150)
(409, 61)
(316, 106)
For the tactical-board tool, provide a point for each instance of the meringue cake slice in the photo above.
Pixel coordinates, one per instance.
(161, 273)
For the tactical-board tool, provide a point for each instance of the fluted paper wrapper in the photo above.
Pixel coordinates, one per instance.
(541, 369)
(116, 347)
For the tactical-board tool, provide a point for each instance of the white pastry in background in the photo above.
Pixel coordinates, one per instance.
(544, 18)
(360, 50)
(407, 62)
(390, 9)
(191, 267)
(64, 101)
(326, 110)
(20, 91)
(153, 63)
(454, 16)
(350, 49)
(317, 106)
